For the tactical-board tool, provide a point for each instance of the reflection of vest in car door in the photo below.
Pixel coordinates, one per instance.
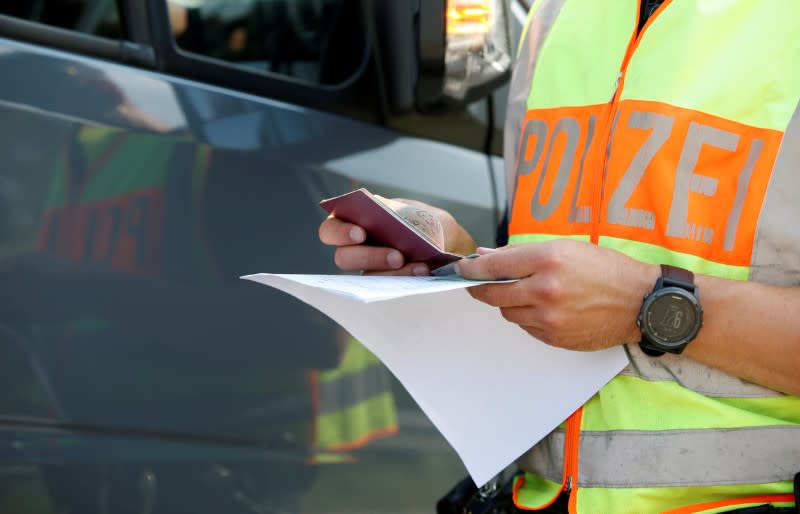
(119, 199)
(127, 202)
(678, 148)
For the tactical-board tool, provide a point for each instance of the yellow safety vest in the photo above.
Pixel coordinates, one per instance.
(679, 146)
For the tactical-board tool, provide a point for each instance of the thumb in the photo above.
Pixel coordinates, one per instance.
(507, 263)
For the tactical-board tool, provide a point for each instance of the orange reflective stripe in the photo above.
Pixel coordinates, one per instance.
(553, 194)
(687, 181)
(677, 178)
(754, 500)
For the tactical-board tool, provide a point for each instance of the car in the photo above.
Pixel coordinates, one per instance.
(154, 151)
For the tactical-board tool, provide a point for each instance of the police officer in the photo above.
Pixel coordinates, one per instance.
(652, 154)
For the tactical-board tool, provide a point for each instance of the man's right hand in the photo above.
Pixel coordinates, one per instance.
(353, 255)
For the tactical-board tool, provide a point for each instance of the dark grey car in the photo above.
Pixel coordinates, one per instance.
(151, 153)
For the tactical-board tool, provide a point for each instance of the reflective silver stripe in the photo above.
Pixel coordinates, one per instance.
(546, 459)
(754, 455)
(691, 375)
(776, 253)
(352, 388)
(628, 459)
(521, 79)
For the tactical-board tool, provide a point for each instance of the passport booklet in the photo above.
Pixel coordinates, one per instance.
(385, 227)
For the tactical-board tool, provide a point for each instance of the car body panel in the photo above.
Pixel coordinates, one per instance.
(127, 363)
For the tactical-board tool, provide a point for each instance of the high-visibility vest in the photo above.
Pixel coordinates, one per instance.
(111, 194)
(354, 402)
(116, 213)
(681, 146)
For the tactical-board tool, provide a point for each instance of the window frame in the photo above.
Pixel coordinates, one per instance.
(120, 50)
(176, 61)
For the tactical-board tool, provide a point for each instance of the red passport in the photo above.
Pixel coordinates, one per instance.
(386, 228)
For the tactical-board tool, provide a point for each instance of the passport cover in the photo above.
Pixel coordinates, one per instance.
(386, 228)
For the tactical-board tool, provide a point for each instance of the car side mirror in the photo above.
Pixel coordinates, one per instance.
(439, 55)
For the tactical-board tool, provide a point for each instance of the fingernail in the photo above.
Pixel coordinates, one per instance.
(420, 270)
(394, 259)
(357, 234)
(483, 251)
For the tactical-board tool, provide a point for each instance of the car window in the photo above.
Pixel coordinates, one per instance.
(295, 38)
(95, 17)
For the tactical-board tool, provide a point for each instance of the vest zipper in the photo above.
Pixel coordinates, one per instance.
(599, 185)
(571, 445)
(573, 429)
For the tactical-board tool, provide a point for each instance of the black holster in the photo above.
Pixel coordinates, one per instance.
(467, 498)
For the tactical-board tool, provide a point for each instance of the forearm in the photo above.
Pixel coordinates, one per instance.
(751, 331)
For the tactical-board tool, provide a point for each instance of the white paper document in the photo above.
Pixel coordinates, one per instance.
(491, 389)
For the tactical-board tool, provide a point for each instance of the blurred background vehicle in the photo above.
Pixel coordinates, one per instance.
(153, 151)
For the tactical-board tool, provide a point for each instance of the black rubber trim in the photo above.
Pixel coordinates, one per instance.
(31, 424)
(134, 17)
(117, 50)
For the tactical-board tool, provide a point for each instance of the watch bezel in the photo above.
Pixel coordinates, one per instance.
(650, 338)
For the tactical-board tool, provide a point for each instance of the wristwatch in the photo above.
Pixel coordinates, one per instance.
(671, 314)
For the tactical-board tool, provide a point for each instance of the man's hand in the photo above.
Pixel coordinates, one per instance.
(353, 255)
(569, 294)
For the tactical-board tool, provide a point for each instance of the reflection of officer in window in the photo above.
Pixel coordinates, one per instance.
(144, 322)
(313, 40)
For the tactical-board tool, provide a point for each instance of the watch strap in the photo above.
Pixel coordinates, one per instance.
(652, 352)
(676, 273)
(673, 276)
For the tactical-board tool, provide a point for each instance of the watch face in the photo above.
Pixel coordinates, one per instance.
(671, 318)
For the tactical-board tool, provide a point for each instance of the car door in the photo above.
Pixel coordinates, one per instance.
(153, 153)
